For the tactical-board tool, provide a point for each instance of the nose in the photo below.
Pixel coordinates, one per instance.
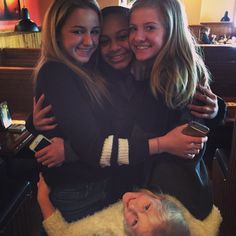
(114, 46)
(132, 207)
(87, 39)
(136, 208)
(138, 35)
(131, 218)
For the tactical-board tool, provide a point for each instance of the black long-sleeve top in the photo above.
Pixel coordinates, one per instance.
(86, 125)
(136, 115)
(79, 120)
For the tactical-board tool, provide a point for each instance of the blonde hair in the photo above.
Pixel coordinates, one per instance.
(171, 221)
(178, 67)
(55, 17)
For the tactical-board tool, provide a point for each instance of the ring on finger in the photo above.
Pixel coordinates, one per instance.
(191, 156)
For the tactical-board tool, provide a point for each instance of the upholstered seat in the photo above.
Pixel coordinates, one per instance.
(14, 207)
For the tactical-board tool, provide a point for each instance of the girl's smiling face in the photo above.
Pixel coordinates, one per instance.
(114, 41)
(147, 32)
(80, 34)
(141, 212)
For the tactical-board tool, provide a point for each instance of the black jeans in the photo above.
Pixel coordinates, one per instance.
(81, 200)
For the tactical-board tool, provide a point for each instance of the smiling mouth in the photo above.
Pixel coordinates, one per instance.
(84, 49)
(142, 47)
(117, 58)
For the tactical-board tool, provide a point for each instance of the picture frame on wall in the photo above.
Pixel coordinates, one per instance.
(9, 9)
(126, 3)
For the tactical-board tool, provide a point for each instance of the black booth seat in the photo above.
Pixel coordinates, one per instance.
(15, 206)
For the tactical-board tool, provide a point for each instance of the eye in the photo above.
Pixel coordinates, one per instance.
(146, 207)
(149, 28)
(132, 28)
(96, 31)
(134, 222)
(79, 31)
(104, 41)
(123, 37)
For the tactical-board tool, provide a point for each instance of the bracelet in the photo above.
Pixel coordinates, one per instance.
(157, 145)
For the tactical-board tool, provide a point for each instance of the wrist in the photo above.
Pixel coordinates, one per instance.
(162, 144)
(155, 146)
(43, 201)
(46, 207)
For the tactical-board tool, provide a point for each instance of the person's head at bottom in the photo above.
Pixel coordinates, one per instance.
(148, 214)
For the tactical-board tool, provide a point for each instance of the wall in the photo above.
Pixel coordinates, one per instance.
(37, 9)
(106, 3)
(193, 10)
(234, 20)
(218, 8)
(197, 10)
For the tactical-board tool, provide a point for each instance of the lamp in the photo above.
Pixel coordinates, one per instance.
(25, 24)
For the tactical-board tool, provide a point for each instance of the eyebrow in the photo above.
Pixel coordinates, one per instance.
(80, 26)
(123, 30)
(146, 23)
(118, 32)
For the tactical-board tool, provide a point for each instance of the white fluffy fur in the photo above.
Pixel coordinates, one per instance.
(109, 222)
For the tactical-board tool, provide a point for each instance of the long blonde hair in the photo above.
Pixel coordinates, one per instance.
(178, 68)
(55, 17)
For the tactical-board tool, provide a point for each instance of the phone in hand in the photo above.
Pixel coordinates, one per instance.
(196, 129)
(17, 128)
(39, 143)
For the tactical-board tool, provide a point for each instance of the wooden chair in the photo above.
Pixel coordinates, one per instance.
(224, 186)
(16, 87)
(221, 61)
(20, 57)
(16, 82)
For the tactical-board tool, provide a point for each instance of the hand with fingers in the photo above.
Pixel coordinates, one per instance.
(179, 144)
(43, 189)
(40, 120)
(43, 198)
(52, 155)
(210, 108)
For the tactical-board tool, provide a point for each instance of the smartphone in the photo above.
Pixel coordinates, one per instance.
(196, 129)
(5, 116)
(17, 128)
(39, 143)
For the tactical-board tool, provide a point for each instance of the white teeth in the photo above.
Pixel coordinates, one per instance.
(84, 49)
(142, 47)
(117, 58)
